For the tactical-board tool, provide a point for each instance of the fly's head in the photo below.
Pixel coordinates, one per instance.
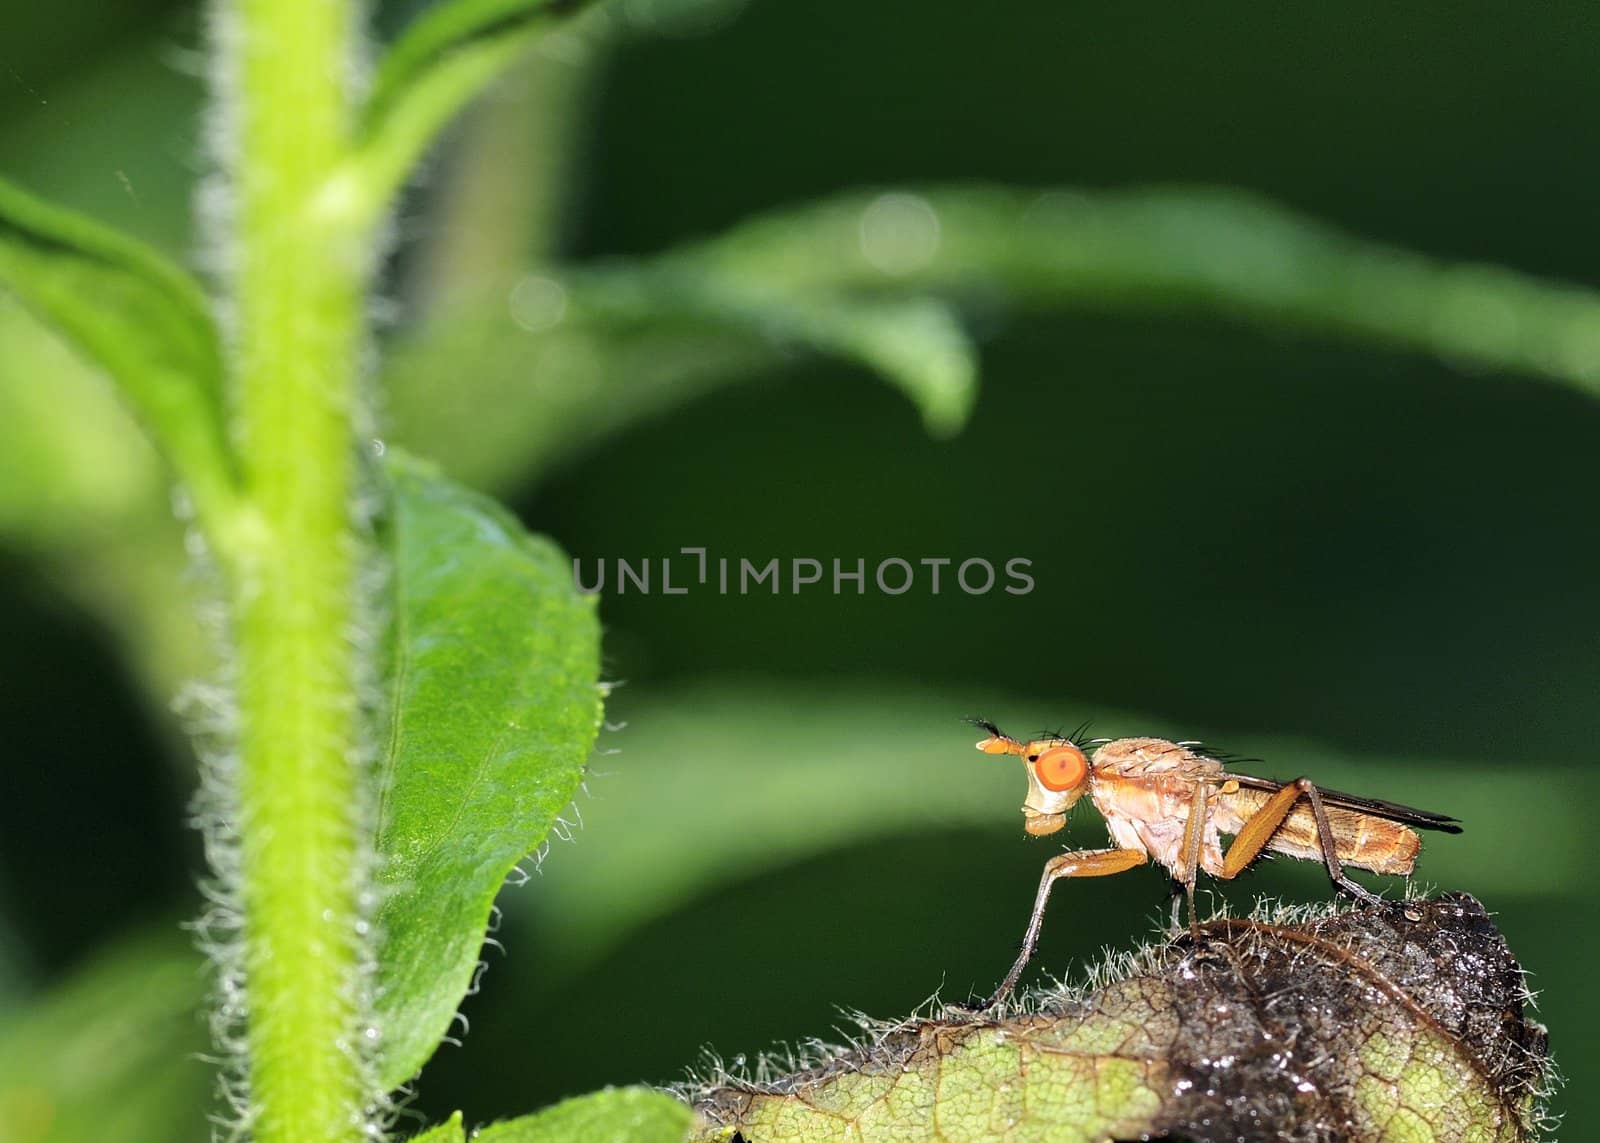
(1058, 775)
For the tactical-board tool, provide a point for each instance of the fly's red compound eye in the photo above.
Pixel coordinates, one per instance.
(1061, 768)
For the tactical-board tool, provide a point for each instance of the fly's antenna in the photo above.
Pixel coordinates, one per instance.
(998, 742)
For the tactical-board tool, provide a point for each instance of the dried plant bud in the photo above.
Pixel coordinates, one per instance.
(1399, 1021)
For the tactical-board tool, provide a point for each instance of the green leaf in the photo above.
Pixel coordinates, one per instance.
(616, 1115)
(448, 56)
(135, 315)
(494, 704)
(1397, 1022)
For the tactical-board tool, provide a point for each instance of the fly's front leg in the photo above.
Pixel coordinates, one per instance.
(1078, 863)
(1253, 837)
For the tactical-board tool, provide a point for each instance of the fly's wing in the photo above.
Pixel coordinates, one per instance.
(1377, 807)
(1367, 833)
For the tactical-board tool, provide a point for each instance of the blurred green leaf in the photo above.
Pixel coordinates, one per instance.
(449, 1131)
(554, 392)
(616, 1115)
(112, 1053)
(569, 359)
(448, 56)
(77, 465)
(134, 314)
(115, 99)
(1209, 248)
(681, 809)
(492, 675)
(444, 29)
(916, 344)
(578, 355)
(83, 491)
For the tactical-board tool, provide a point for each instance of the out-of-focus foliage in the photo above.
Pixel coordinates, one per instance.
(140, 318)
(443, 38)
(113, 1053)
(579, 354)
(1213, 249)
(621, 1115)
(617, 1115)
(450, 1131)
(610, 347)
(442, 61)
(66, 478)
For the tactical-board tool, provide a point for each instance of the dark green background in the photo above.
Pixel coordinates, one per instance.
(1232, 530)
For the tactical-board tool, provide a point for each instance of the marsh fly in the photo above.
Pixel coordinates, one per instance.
(1168, 802)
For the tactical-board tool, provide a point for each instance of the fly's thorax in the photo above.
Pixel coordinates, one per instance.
(1140, 757)
(1144, 788)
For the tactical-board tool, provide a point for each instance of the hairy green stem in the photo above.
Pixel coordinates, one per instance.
(298, 308)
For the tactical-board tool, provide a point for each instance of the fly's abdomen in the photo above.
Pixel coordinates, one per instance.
(1362, 841)
(1374, 843)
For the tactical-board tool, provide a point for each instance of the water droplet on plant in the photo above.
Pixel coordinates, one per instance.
(537, 303)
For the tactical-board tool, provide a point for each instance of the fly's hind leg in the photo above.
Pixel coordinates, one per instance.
(1188, 870)
(1077, 863)
(1254, 835)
